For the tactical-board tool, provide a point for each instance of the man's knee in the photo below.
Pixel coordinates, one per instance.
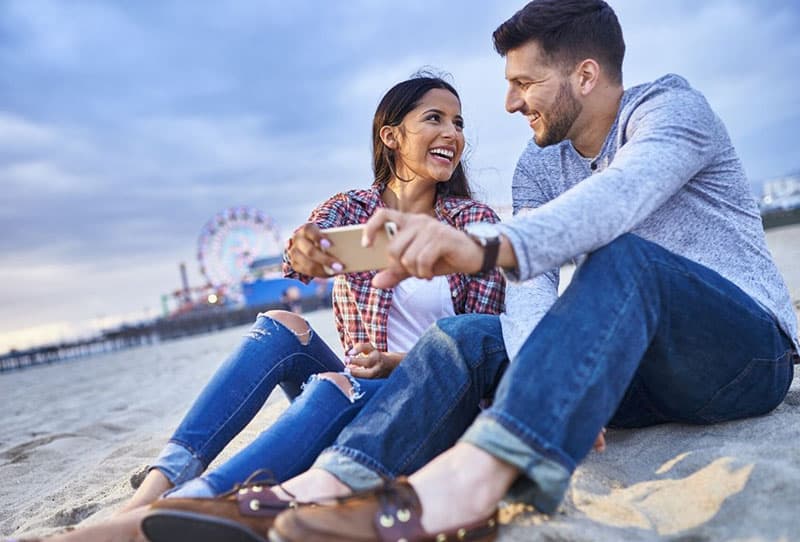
(473, 335)
(294, 323)
(626, 250)
(469, 325)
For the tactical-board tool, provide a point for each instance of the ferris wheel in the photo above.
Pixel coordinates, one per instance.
(231, 240)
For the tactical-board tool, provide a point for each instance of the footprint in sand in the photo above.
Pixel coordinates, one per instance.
(20, 452)
(72, 516)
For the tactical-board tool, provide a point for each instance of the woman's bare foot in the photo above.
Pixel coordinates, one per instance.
(314, 484)
(151, 488)
(461, 486)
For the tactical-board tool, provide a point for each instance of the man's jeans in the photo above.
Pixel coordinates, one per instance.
(640, 337)
(270, 355)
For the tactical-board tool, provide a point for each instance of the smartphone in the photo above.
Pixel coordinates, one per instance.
(346, 247)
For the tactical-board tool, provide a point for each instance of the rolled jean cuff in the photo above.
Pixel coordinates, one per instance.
(351, 467)
(178, 464)
(546, 480)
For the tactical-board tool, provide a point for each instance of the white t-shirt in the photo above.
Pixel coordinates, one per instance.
(416, 304)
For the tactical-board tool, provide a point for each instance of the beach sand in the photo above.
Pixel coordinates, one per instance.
(73, 434)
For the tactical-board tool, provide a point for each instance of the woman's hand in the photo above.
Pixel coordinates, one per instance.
(364, 361)
(307, 252)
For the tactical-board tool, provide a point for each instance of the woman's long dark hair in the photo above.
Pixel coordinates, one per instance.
(394, 106)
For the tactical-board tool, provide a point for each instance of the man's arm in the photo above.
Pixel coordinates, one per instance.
(673, 136)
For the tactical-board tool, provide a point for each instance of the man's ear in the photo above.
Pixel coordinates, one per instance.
(388, 136)
(588, 73)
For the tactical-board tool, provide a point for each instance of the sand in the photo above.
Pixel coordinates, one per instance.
(73, 434)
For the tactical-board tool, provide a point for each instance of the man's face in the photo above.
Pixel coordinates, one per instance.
(542, 93)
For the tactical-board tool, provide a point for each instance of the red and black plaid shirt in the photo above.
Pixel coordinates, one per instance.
(361, 311)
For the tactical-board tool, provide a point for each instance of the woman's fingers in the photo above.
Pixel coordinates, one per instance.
(308, 252)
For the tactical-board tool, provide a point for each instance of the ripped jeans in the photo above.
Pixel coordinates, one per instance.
(270, 355)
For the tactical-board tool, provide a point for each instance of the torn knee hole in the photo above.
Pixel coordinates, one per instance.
(293, 323)
(340, 381)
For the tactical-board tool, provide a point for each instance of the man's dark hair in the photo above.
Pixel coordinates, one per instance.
(568, 31)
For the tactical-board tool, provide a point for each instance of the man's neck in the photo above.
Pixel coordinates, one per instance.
(600, 117)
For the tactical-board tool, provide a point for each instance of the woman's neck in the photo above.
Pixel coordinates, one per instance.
(410, 197)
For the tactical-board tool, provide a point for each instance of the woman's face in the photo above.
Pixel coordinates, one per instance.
(428, 143)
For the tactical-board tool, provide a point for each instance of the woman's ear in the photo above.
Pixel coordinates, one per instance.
(389, 137)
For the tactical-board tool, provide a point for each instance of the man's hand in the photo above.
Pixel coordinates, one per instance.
(364, 361)
(422, 247)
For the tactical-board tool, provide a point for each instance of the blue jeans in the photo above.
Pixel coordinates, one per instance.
(270, 355)
(640, 337)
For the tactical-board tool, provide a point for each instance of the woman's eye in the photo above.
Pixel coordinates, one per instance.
(434, 117)
(459, 124)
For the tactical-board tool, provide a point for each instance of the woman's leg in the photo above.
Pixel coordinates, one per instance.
(280, 349)
(312, 422)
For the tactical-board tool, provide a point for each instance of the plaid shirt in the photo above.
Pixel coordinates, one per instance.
(361, 311)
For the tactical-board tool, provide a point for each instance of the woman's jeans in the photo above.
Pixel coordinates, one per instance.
(640, 337)
(270, 355)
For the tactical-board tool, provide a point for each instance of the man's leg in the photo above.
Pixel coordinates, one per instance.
(640, 332)
(645, 334)
(425, 405)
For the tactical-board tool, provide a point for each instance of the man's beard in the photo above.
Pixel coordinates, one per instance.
(561, 117)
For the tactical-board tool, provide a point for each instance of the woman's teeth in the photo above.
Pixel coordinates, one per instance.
(445, 153)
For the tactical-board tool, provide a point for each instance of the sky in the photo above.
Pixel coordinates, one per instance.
(125, 126)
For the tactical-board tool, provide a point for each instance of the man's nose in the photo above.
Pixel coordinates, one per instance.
(513, 100)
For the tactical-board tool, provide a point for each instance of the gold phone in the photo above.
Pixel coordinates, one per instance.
(346, 247)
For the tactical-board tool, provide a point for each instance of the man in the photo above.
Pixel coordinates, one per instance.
(677, 314)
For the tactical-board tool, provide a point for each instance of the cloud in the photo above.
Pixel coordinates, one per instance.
(125, 126)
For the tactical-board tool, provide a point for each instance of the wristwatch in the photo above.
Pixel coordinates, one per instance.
(486, 236)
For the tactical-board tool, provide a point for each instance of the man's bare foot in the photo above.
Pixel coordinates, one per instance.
(600, 441)
(151, 488)
(119, 528)
(314, 484)
(461, 486)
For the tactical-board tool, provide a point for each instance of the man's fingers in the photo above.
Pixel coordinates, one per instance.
(389, 278)
(377, 222)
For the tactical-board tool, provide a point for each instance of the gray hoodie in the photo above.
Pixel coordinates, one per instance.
(668, 173)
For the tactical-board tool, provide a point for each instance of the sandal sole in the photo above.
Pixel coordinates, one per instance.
(178, 526)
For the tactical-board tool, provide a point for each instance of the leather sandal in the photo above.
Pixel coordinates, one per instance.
(389, 513)
(244, 514)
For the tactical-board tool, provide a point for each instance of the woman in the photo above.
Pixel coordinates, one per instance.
(418, 141)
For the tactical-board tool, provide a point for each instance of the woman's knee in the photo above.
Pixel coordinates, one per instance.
(294, 323)
(339, 380)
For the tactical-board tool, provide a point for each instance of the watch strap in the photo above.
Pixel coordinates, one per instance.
(491, 250)
(490, 254)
